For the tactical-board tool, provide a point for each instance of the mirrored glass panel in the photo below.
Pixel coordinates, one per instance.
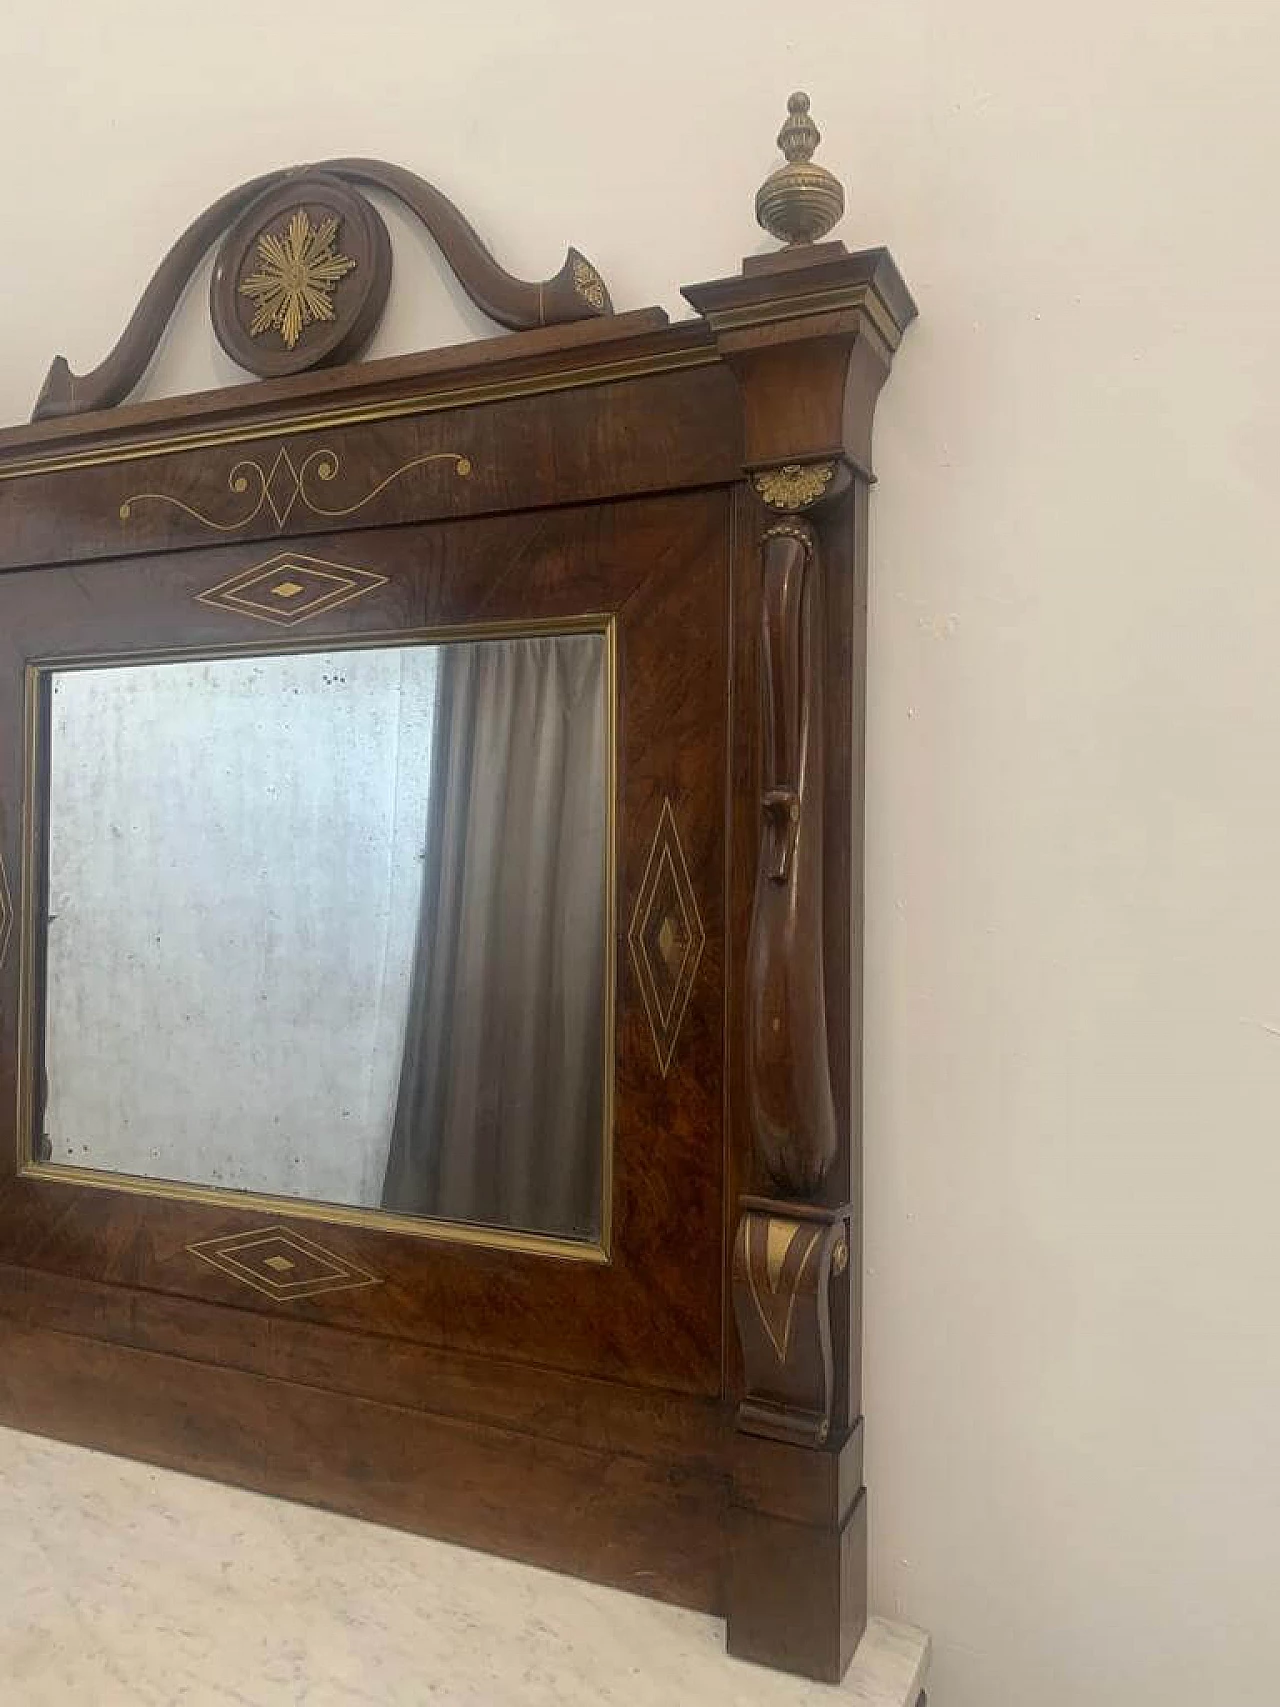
(333, 926)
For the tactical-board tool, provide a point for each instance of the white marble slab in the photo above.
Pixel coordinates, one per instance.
(125, 1586)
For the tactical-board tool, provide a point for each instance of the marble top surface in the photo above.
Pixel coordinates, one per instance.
(129, 1585)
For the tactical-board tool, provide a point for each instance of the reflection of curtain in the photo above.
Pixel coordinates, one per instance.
(501, 1106)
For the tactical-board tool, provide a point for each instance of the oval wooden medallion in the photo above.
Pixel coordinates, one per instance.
(301, 279)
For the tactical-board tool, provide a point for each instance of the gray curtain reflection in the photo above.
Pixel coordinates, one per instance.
(500, 1113)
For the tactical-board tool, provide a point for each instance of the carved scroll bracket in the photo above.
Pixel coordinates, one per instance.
(786, 1261)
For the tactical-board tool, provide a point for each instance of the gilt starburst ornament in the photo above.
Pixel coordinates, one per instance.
(296, 275)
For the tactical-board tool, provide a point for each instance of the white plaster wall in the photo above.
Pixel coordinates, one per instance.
(1073, 980)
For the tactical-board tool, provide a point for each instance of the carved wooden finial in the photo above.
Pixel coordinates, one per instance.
(799, 202)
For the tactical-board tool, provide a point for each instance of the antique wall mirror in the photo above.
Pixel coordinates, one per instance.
(430, 887)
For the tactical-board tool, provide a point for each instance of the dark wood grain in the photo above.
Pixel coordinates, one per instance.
(655, 1311)
(797, 1592)
(615, 1517)
(576, 292)
(788, 1070)
(65, 393)
(810, 347)
(688, 1432)
(596, 442)
(580, 1415)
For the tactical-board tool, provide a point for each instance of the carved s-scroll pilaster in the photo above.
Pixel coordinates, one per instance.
(788, 1072)
(790, 1251)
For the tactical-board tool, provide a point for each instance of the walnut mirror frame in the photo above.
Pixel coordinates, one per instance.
(680, 1416)
(297, 866)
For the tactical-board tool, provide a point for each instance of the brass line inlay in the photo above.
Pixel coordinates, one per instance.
(421, 403)
(330, 1273)
(135, 1185)
(6, 911)
(780, 1236)
(291, 482)
(777, 1242)
(339, 585)
(831, 300)
(680, 937)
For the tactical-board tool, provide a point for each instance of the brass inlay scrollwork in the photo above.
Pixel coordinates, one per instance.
(327, 465)
(284, 485)
(795, 485)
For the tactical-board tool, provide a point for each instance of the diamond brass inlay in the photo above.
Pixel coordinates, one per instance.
(281, 1263)
(282, 487)
(290, 588)
(666, 937)
(6, 911)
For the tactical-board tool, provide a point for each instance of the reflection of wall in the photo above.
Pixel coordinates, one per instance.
(235, 871)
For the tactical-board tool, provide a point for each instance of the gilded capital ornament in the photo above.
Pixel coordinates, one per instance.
(795, 485)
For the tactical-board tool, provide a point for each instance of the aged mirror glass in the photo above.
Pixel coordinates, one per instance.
(335, 926)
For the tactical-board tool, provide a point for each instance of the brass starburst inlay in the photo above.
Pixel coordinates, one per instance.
(297, 271)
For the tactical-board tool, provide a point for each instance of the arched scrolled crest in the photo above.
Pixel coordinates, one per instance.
(302, 277)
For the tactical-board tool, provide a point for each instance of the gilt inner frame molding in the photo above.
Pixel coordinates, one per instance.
(30, 1013)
